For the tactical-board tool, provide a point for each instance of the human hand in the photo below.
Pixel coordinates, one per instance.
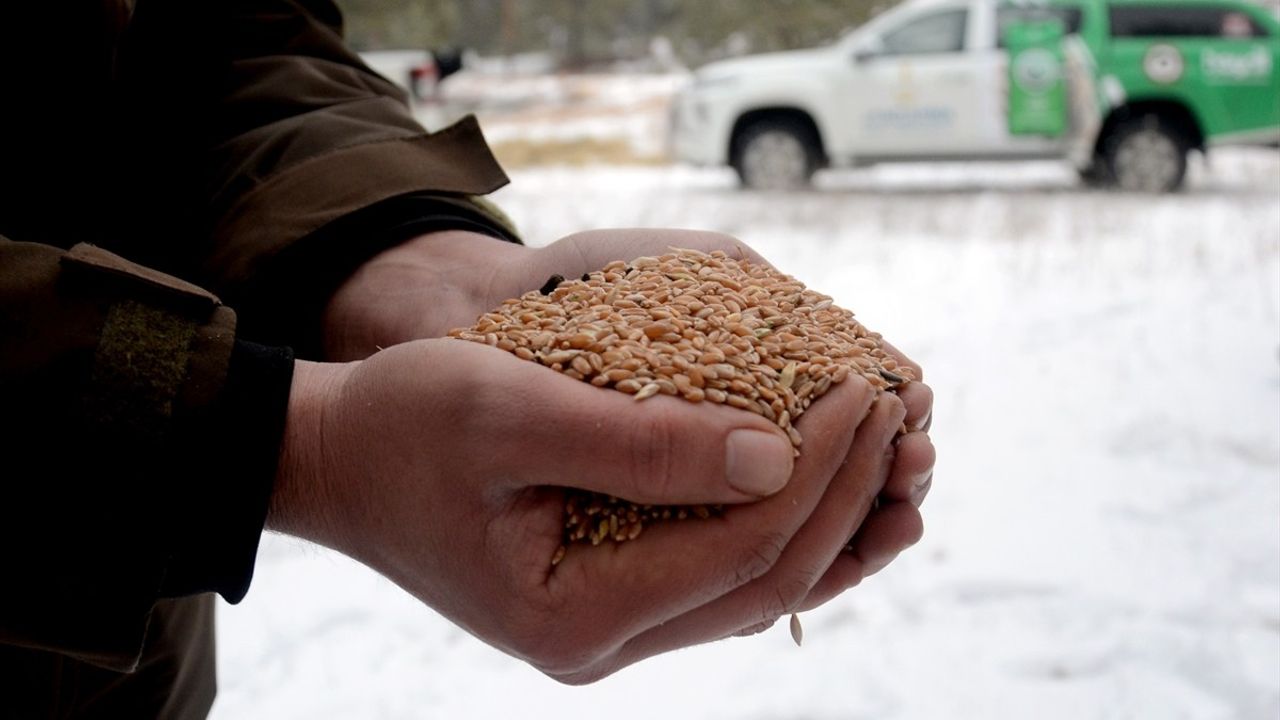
(436, 282)
(439, 464)
(419, 289)
(895, 523)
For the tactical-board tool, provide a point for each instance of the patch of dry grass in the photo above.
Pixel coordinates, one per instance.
(576, 152)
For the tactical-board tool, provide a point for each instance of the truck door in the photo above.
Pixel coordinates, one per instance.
(1217, 59)
(994, 72)
(913, 88)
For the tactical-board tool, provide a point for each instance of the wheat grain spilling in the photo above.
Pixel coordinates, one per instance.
(703, 327)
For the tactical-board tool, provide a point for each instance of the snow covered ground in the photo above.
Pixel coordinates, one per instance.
(1103, 537)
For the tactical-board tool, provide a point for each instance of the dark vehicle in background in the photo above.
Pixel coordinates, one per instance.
(417, 71)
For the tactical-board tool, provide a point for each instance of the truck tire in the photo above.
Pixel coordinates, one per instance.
(776, 154)
(1095, 174)
(1146, 154)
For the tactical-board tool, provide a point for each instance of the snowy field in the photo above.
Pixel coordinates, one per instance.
(1103, 536)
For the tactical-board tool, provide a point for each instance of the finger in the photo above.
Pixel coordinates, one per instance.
(676, 567)
(846, 572)
(892, 529)
(903, 359)
(918, 399)
(912, 468)
(922, 491)
(883, 536)
(805, 559)
(659, 451)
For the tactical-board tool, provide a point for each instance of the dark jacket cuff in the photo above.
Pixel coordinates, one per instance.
(138, 460)
(238, 451)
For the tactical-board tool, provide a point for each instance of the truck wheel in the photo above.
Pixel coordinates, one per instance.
(1146, 154)
(776, 155)
(1095, 174)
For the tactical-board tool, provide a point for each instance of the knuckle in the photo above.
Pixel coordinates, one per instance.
(652, 455)
(757, 628)
(893, 405)
(758, 557)
(889, 454)
(788, 595)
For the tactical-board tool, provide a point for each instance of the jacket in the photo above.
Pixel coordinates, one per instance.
(182, 185)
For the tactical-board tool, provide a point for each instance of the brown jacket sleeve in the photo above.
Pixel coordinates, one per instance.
(239, 145)
(293, 134)
(132, 467)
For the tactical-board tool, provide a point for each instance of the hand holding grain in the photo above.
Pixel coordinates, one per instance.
(439, 463)
(432, 283)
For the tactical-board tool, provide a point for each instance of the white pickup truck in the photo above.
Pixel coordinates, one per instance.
(925, 80)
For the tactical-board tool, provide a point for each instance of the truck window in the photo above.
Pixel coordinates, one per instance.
(1182, 21)
(1006, 16)
(939, 32)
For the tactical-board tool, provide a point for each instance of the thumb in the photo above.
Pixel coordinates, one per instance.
(659, 451)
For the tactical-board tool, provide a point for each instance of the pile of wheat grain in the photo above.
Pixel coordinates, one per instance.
(704, 327)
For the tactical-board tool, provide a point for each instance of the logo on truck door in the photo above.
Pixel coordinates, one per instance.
(1036, 70)
(1163, 64)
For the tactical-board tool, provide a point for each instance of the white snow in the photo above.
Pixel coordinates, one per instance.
(1103, 537)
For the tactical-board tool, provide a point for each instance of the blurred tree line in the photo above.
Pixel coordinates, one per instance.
(583, 33)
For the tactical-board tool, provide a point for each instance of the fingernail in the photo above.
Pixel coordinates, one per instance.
(757, 463)
(923, 483)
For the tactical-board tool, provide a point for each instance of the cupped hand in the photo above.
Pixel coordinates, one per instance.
(433, 283)
(440, 463)
(436, 282)
(420, 289)
(895, 523)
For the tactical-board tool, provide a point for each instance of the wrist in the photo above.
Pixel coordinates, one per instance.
(421, 288)
(304, 493)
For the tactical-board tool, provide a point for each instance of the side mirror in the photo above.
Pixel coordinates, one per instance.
(868, 50)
